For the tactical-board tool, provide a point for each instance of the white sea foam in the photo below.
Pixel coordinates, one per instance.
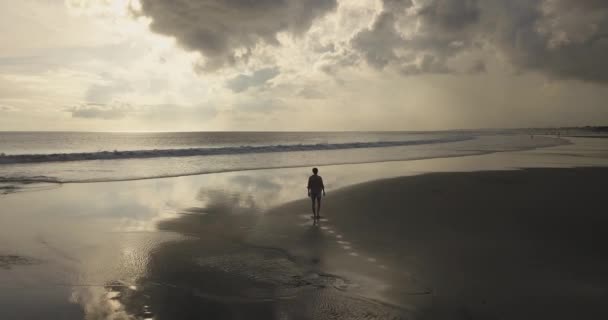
(20, 170)
(139, 154)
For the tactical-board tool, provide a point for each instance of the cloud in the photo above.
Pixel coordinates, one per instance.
(310, 93)
(477, 67)
(243, 82)
(337, 58)
(559, 38)
(226, 31)
(160, 113)
(260, 105)
(7, 108)
(100, 111)
(420, 37)
(563, 39)
(50, 59)
(173, 113)
(448, 15)
(105, 92)
(378, 43)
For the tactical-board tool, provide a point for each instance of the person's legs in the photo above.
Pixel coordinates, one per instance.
(319, 206)
(312, 197)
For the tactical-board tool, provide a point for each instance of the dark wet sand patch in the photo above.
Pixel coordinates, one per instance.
(524, 244)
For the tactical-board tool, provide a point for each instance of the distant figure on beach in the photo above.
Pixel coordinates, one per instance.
(315, 188)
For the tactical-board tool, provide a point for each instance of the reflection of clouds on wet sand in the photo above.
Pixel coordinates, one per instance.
(195, 279)
(221, 271)
(99, 303)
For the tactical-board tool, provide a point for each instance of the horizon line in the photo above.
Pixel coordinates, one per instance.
(306, 131)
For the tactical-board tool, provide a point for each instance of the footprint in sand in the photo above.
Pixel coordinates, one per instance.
(346, 246)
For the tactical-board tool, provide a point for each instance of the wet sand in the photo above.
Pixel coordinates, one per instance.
(525, 244)
(460, 238)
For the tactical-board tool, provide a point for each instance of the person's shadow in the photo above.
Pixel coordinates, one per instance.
(315, 242)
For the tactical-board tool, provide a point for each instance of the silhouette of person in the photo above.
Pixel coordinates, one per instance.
(315, 189)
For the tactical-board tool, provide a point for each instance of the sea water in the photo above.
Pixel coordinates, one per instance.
(60, 157)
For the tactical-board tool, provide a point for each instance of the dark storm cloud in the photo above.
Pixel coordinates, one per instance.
(378, 43)
(446, 15)
(243, 82)
(560, 38)
(442, 29)
(225, 31)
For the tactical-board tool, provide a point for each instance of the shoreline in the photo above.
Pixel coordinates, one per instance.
(60, 181)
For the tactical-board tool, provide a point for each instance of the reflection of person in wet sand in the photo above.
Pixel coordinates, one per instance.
(315, 188)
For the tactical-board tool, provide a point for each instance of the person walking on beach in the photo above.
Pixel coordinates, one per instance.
(315, 188)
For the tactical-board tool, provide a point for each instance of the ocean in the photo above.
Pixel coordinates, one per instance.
(63, 157)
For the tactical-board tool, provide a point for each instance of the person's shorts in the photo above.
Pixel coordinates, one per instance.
(315, 195)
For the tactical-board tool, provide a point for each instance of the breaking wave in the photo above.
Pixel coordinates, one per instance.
(156, 153)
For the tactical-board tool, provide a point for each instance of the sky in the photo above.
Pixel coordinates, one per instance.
(300, 65)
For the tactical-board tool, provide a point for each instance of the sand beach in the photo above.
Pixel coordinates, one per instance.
(508, 235)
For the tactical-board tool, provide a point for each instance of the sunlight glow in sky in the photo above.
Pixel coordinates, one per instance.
(161, 65)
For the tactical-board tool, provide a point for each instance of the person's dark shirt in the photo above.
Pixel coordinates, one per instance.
(315, 184)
